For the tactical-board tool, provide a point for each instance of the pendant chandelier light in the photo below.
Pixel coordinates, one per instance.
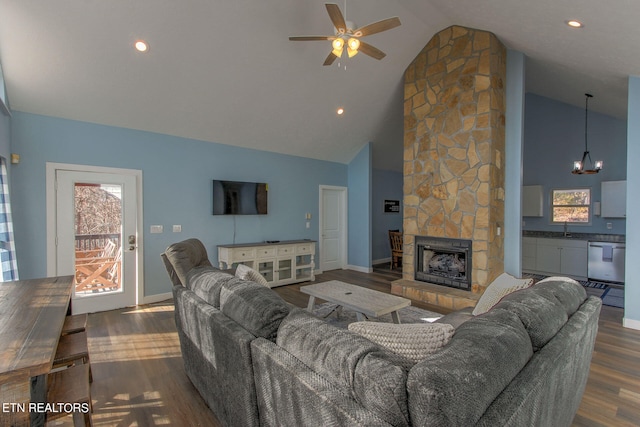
(579, 166)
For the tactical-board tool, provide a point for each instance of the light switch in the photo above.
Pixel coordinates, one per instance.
(155, 229)
(177, 228)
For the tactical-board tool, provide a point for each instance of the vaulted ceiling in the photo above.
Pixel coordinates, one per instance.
(225, 71)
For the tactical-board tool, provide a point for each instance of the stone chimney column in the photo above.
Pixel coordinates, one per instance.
(454, 117)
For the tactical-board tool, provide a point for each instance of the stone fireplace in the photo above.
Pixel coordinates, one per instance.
(454, 116)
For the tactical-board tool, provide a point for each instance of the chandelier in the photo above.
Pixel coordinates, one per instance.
(579, 166)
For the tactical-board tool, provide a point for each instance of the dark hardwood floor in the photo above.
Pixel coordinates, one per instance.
(139, 379)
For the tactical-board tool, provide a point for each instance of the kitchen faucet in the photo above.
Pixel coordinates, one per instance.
(566, 233)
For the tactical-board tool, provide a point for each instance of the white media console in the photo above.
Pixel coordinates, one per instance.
(281, 263)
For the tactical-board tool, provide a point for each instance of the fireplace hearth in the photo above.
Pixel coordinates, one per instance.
(443, 261)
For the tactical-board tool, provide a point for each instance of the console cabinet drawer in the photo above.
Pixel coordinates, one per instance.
(244, 254)
(286, 250)
(266, 252)
(303, 249)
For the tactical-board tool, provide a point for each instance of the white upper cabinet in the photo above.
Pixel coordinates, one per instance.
(614, 199)
(532, 200)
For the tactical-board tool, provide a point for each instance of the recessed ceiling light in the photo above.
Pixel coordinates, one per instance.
(574, 24)
(340, 111)
(141, 46)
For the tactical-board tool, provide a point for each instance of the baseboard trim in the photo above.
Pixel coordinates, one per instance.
(359, 268)
(631, 323)
(151, 299)
(381, 261)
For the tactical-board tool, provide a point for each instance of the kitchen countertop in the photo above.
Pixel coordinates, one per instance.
(593, 237)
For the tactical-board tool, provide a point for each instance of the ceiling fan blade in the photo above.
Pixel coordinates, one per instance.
(377, 27)
(373, 52)
(336, 17)
(330, 59)
(311, 38)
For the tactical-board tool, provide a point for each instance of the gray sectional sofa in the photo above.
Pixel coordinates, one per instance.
(258, 361)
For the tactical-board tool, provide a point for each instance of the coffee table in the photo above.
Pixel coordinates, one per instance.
(365, 302)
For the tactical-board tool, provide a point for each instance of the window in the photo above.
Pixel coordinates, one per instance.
(571, 206)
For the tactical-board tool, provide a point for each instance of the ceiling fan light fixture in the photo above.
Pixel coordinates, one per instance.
(347, 33)
(338, 46)
(352, 47)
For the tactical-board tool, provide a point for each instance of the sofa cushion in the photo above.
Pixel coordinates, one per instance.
(185, 255)
(248, 273)
(455, 385)
(372, 375)
(412, 341)
(257, 309)
(544, 308)
(456, 318)
(565, 290)
(207, 282)
(501, 286)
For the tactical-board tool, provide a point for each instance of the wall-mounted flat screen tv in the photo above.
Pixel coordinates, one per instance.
(239, 198)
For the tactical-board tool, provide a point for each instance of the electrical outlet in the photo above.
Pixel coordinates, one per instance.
(177, 228)
(609, 226)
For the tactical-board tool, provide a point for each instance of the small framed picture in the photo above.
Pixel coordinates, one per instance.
(392, 206)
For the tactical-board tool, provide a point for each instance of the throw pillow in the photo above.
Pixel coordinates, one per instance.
(501, 286)
(411, 341)
(247, 273)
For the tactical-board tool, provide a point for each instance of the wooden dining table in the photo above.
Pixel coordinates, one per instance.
(32, 314)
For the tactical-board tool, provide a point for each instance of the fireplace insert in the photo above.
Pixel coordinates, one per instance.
(443, 261)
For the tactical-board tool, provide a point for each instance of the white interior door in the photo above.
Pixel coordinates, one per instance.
(96, 238)
(333, 229)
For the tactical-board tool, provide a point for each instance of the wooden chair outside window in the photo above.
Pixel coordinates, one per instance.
(99, 270)
(395, 240)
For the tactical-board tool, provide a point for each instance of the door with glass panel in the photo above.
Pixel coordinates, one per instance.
(97, 238)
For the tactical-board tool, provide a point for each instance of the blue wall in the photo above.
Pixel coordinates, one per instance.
(359, 210)
(554, 138)
(387, 185)
(514, 143)
(177, 188)
(632, 266)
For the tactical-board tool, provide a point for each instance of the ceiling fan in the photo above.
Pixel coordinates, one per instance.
(347, 36)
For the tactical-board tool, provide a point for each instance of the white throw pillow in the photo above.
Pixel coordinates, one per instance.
(413, 341)
(503, 285)
(247, 273)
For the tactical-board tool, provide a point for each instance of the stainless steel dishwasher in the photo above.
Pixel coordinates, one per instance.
(606, 261)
